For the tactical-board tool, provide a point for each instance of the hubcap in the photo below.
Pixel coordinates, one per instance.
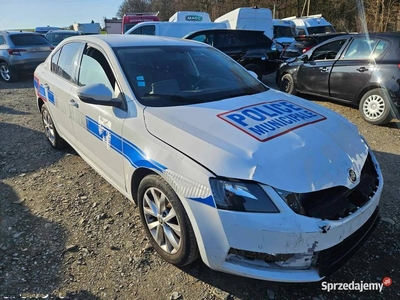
(374, 107)
(287, 85)
(48, 126)
(5, 73)
(161, 220)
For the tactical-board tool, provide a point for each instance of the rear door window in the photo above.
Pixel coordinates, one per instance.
(254, 38)
(380, 48)
(146, 30)
(360, 48)
(68, 61)
(28, 40)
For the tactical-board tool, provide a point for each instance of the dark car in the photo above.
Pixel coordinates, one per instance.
(251, 48)
(359, 69)
(303, 43)
(56, 36)
(21, 52)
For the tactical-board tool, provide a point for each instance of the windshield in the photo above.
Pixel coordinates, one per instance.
(284, 31)
(320, 29)
(129, 26)
(179, 75)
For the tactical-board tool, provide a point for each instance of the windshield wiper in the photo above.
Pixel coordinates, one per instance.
(174, 98)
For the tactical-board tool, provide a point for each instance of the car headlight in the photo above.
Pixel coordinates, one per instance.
(241, 196)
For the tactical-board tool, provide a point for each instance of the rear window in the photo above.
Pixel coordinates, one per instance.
(28, 40)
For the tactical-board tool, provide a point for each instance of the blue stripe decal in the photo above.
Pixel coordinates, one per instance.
(51, 97)
(132, 153)
(42, 92)
(35, 83)
(209, 200)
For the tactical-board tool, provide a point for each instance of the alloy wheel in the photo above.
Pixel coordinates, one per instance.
(48, 127)
(5, 72)
(161, 220)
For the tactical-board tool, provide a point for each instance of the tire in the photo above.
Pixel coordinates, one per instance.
(50, 130)
(167, 219)
(7, 74)
(287, 84)
(375, 108)
(256, 69)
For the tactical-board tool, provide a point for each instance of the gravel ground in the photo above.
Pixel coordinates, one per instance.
(66, 233)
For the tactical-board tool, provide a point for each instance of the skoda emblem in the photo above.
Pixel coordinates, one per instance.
(352, 176)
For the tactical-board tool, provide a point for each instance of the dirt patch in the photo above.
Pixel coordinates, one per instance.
(66, 233)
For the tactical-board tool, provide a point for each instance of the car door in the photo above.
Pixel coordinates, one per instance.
(55, 87)
(98, 129)
(313, 74)
(353, 70)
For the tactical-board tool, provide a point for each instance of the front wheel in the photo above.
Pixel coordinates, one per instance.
(287, 84)
(165, 221)
(7, 74)
(375, 108)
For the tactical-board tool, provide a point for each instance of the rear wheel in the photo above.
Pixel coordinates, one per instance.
(50, 130)
(287, 84)
(165, 221)
(7, 74)
(256, 69)
(375, 108)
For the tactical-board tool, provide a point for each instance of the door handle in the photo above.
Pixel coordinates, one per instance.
(362, 69)
(324, 69)
(72, 102)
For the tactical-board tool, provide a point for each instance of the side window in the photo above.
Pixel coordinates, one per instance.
(95, 69)
(68, 61)
(54, 62)
(205, 38)
(228, 39)
(380, 48)
(328, 51)
(360, 49)
(137, 31)
(2, 40)
(149, 30)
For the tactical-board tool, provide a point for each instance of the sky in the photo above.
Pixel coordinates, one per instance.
(28, 14)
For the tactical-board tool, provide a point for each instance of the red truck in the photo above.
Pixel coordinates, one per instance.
(131, 19)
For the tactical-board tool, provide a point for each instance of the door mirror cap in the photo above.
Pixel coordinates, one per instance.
(98, 94)
(252, 73)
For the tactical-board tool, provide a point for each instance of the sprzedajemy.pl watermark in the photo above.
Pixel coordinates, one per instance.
(356, 286)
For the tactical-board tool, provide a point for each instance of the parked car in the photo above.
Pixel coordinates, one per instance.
(259, 183)
(21, 52)
(251, 48)
(303, 43)
(358, 69)
(56, 36)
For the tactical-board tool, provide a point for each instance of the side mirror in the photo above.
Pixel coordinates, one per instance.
(304, 58)
(252, 73)
(99, 94)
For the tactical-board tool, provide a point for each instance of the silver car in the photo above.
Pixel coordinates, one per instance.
(21, 52)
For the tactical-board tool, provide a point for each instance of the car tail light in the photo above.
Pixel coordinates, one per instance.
(15, 51)
(398, 65)
(306, 49)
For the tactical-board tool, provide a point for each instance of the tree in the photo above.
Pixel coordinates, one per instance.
(134, 6)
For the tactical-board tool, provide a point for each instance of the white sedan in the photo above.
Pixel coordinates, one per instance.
(258, 183)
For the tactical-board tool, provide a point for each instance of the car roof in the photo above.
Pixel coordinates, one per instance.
(12, 32)
(228, 30)
(126, 40)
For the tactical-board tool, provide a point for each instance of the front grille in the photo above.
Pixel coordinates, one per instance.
(330, 260)
(338, 202)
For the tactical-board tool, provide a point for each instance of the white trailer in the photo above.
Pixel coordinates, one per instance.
(252, 18)
(113, 26)
(88, 28)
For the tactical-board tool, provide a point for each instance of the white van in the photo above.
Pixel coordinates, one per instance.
(250, 18)
(309, 25)
(190, 16)
(172, 29)
(284, 31)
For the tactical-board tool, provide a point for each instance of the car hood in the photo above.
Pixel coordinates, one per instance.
(271, 138)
